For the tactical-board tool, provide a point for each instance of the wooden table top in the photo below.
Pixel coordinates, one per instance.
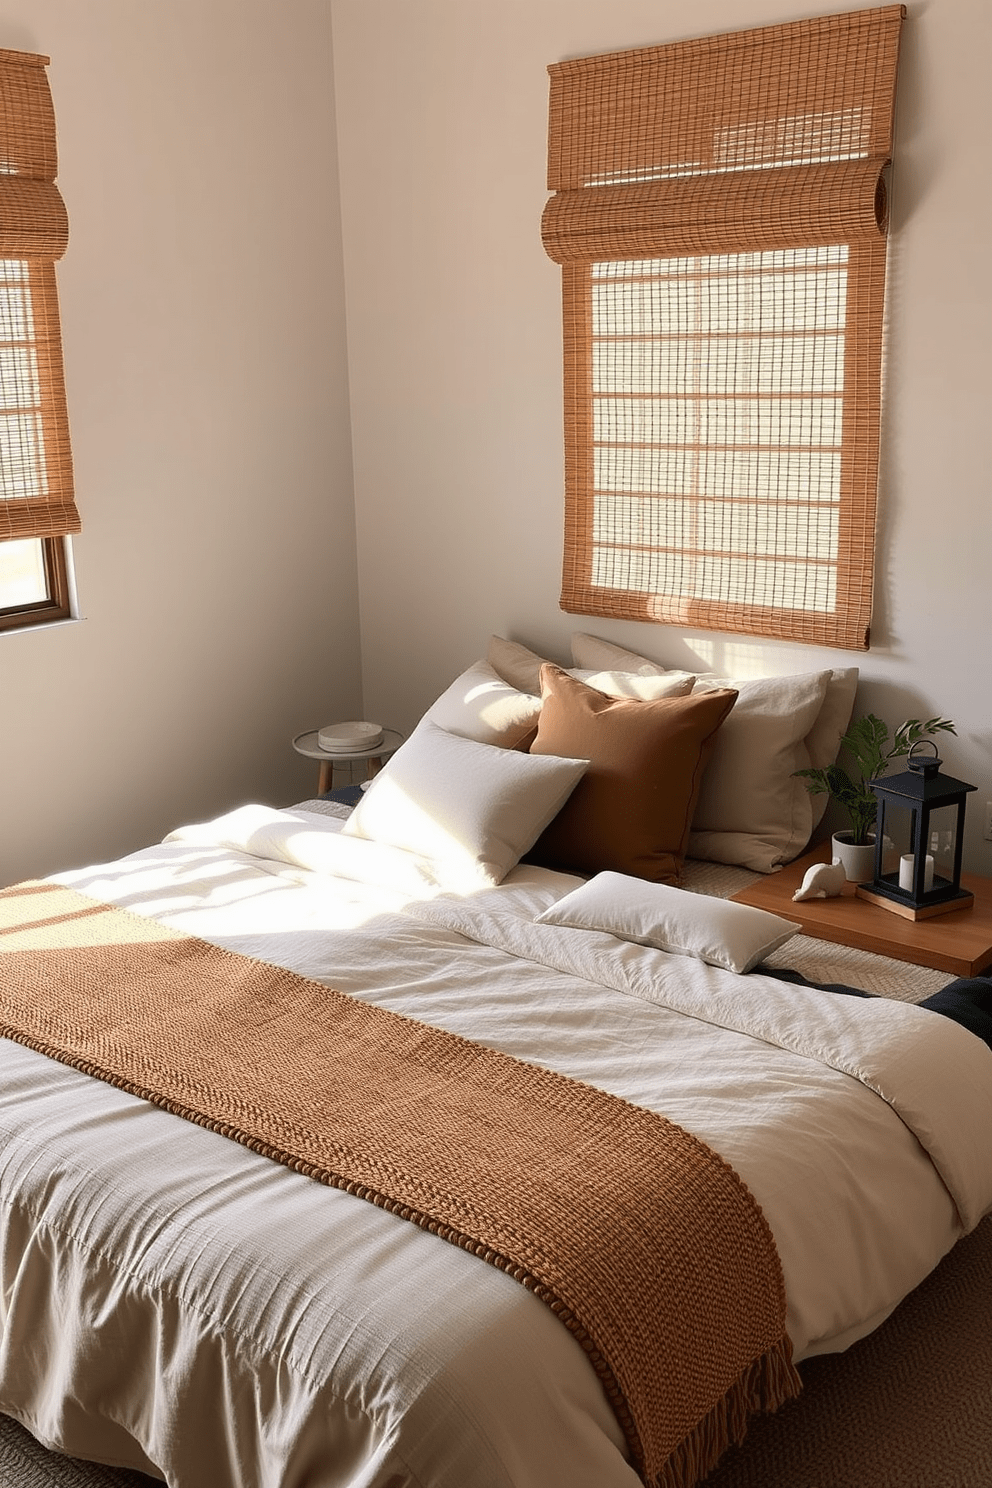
(959, 942)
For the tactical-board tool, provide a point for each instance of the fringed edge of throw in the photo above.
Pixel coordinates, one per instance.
(766, 1384)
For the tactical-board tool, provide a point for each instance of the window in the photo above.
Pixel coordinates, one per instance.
(37, 505)
(720, 216)
(34, 582)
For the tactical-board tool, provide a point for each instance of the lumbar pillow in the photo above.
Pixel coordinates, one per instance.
(752, 810)
(472, 809)
(733, 936)
(480, 705)
(632, 809)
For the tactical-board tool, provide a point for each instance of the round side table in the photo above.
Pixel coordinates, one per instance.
(306, 743)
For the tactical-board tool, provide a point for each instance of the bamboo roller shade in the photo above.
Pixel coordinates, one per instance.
(36, 486)
(720, 216)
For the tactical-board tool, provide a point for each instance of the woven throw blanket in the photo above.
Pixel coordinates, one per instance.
(644, 1242)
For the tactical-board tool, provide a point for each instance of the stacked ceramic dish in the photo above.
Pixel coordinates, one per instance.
(349, 738)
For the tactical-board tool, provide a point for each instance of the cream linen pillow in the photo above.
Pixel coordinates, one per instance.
(480, 705)
(472, 809)
(591, 654)
(751, 809)
(521, 668)
(634, 685)
(733, 936)
(823, 740)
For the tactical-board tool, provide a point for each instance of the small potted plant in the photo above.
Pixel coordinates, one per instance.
(869, 749)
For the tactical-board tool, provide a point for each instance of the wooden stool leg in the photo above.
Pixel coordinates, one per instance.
(373, 766)
(325, 781)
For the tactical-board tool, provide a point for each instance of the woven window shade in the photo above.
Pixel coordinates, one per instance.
(719, 215)
(36, 490)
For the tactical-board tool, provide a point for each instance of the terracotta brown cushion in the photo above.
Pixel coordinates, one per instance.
(631, 811)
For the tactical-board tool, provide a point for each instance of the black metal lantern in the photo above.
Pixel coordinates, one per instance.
(920, 823)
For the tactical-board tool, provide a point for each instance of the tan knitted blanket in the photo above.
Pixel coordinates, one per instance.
(644, 1242)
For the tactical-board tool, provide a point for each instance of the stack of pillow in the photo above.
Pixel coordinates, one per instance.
(614, 764)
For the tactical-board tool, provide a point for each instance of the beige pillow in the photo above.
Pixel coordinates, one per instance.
(516, 664)
(733, 936)
(632, 809)
(823, 739)
(480, 705)
(751, 809)
(591, 653)
(472, 809)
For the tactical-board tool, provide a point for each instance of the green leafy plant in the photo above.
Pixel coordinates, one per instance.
(867, 745)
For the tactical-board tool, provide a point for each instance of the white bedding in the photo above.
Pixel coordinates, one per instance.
(174, 1302)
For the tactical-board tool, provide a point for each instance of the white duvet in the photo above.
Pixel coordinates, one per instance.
(176, 1303)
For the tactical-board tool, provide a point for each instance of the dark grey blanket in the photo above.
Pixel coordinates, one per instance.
(967, 1001)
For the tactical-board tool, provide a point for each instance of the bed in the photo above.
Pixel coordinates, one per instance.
(176, 1301)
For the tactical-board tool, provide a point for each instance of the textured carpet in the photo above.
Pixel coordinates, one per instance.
(908, 1407)
(26, 1464)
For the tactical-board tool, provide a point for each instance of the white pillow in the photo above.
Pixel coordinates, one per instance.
(480, 705)
(718, 931)
(751, 809)
(472, 809)
(634, 685)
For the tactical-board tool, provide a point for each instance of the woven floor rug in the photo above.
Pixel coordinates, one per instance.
(907, 1407)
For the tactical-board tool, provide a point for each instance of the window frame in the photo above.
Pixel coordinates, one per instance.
(57, 606)
(36, 478)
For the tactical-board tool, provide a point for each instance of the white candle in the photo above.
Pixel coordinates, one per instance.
(906, 873)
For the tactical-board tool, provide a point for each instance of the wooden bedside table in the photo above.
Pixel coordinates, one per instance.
(959, 942)
(307, 744)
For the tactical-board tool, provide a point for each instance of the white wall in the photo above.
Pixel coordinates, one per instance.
(205, 362)
(208, 385)
(455, 359)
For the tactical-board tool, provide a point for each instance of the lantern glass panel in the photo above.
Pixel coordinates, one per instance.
(942, 835)
(898, 835)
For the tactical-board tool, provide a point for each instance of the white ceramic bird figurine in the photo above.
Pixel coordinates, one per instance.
(822, 881)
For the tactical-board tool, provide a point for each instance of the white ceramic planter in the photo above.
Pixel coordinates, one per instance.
(858, 861)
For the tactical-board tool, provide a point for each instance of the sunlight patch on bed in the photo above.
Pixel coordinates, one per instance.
(36, 916)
